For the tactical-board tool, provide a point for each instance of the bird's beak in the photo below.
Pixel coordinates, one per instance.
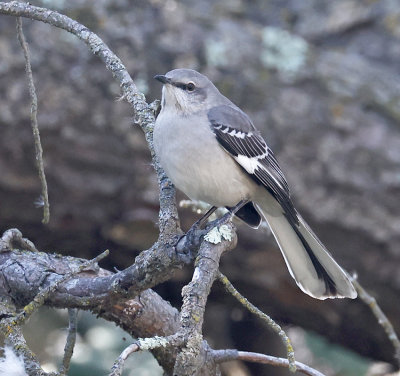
(163, 79)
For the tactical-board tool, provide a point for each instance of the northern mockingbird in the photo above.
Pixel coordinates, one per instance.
(212, 152)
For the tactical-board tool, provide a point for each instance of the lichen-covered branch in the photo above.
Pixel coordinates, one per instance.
(264, 317)
(11, 324)
(118, 366)
(191, 359)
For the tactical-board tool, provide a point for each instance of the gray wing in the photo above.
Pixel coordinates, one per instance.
(238, 136)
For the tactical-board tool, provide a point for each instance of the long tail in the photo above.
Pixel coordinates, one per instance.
(310, 264)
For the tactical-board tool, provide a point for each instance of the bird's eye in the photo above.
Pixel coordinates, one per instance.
(190, 86)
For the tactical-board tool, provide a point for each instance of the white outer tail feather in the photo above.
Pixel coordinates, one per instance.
(299, 263)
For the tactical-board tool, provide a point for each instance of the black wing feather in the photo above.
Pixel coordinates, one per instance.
(238, 136)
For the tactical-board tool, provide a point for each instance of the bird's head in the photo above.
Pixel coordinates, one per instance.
(187, 91)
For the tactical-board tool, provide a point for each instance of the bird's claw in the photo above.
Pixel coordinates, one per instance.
(191, 240)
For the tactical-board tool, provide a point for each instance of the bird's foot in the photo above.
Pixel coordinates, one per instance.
(190, 242)
(192, 239)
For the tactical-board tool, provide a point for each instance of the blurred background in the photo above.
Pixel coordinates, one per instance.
(319, 78)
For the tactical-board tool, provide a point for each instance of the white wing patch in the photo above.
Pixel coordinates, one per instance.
(250, 164)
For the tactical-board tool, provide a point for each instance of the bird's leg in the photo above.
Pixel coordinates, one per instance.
(228, 216)
(199, 223)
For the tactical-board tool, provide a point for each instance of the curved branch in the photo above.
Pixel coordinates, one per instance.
(221, 356)
(168, 218)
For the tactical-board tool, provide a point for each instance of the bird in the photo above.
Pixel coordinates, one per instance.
(211, 151)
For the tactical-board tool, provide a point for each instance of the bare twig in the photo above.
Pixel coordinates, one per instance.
(227, 355)
(151, 343)
(118, 366)
(34, 122)
(264, 317)
(382, 319)
(70, 343)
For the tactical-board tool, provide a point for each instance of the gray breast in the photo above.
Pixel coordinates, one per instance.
(196, 163)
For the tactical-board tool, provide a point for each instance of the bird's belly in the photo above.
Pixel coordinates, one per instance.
(199, 167)
(218, 185)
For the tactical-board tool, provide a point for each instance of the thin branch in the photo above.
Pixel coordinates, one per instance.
(34, 122)
(151, 343)
(221, 356)
(264, 318)
(118, 366)
(70, 343)
(382, 319)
